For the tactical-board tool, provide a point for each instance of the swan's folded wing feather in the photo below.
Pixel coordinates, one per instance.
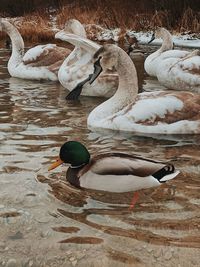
(45, 55)
(76, 40)
(173, 54)
(186, 70)
(122, 164)
(191, 65)
(161, 107)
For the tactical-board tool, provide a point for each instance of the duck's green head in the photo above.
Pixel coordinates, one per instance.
(74, 153)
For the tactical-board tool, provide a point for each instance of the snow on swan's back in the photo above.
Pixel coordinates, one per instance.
(40, 62)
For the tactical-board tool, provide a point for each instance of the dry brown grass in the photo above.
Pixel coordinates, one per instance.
(83, 15)
(36, 27)
(190, 21)
(129, 18)
(160, 19)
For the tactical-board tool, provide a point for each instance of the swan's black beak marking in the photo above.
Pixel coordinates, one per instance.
(130, 49)
(97, 70)
(152, 38)
(75, 93)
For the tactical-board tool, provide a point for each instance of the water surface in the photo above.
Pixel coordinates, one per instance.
(46, 222)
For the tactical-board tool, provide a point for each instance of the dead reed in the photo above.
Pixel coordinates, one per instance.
(190, 21)
(37, 26)
(125, 17)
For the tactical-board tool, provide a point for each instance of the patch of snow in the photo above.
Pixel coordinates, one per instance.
(179, 40)
(108, 34)
(157, 107)
(182, 40)
(35, 52)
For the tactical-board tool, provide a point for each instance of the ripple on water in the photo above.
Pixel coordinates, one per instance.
(35, 120)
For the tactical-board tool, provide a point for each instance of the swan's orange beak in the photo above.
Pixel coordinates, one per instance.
(57, 163)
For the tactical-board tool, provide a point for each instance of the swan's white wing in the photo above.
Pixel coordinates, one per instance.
(45, 55)
(180, 74)
(157, 112)
(34, 53)
(151, 108)
(189, 65)
(76, 40)
(173, 54)
(153, 61)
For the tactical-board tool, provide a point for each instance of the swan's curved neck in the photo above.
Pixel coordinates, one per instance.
(16, 39)
(167, 43)
(128, 83)
(126, 92)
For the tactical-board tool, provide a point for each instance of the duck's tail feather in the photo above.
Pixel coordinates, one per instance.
(169, 177)
(166, 173)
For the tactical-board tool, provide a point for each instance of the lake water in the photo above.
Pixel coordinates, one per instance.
(46, 222)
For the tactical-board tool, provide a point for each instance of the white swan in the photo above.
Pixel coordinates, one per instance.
(78, 65)
(152, 62)
(181, 74)
(39, 62)
(151, 112)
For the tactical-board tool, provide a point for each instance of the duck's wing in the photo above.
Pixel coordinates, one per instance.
(78, 41)
(122, 164)
(45, 55)
(123, 173)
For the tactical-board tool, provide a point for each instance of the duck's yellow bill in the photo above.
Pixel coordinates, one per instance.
(57, 163)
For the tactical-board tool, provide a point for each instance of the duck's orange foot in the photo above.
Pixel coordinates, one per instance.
(134, 200)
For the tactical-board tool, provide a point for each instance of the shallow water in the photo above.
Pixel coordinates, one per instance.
(46, 222)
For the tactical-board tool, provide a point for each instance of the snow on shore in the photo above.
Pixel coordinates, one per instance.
(181, 40)
(185, 40)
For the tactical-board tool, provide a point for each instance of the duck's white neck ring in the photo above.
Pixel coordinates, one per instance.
(75, 167)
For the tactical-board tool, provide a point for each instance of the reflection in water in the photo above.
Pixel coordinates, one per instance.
(34, 121)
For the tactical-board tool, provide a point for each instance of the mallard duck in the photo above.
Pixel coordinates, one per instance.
(111, 172)
(152, 62)
(157, 112)
(78, 65)
(39, 62)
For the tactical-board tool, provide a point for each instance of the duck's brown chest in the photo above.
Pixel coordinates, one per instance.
(72, 176)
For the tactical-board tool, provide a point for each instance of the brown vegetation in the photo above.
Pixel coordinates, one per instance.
(135, 15)
(36, 27)
(190, 21)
